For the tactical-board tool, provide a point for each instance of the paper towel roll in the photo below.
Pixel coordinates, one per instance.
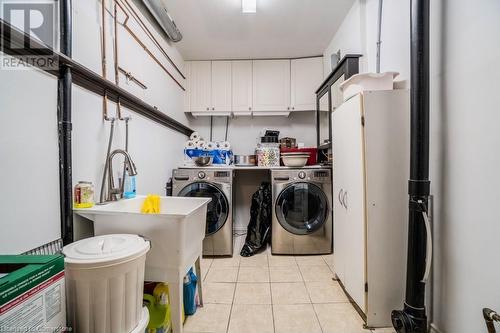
(190, 144)
(211, 146)
(200, 144)
(195, 137)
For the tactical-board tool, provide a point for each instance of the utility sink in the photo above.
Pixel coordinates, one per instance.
(176, 236)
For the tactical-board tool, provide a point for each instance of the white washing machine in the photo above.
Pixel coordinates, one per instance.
(302, 211)
(215, 184)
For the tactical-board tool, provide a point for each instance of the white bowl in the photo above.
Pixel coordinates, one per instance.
(295, 161)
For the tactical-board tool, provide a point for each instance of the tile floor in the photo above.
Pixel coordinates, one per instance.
(273, 294)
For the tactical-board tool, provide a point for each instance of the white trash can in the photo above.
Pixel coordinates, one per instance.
(104, 283)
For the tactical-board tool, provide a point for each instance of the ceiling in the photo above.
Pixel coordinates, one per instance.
(217, 29)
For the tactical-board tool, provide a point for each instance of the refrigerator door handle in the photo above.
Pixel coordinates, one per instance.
(340, 197)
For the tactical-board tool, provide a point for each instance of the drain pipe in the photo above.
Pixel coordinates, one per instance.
(413, 317)
(64, 125)
(379, 33)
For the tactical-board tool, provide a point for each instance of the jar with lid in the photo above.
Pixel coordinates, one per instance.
(83, 196)
(268, 152)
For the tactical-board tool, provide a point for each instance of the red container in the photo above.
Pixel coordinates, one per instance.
(313, 157)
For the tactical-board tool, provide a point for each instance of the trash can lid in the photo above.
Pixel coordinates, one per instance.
(105, 249)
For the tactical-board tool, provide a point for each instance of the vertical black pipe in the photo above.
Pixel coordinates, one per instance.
(413, 318)
(65, 126)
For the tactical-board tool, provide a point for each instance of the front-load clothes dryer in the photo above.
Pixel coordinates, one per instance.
(217, 185)
(302, 216)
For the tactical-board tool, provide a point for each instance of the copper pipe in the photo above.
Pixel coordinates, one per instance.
(103, 46)
(132, 78)
(145, 48)
(105, 108)
(117, 75)
(151, 54)
(151, 36)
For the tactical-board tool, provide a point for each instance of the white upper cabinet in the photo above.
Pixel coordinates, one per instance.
(242, 86)
(187, 86)
(221, 86)
(252, 87)
(201, 86)
(271, 85)
(306, 77)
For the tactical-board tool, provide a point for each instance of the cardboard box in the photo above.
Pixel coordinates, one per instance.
(32, 293)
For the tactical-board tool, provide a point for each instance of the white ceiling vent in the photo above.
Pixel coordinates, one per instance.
(158, 10)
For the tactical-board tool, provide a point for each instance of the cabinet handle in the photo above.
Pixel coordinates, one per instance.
(213, 108)
(344, 199)
(288, 108)
(340, 197)
(208, 109)
(249, 109)
(293, 107)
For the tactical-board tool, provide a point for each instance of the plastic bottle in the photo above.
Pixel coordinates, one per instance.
(129, 187)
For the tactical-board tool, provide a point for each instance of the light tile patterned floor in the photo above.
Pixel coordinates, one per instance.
(273, 294)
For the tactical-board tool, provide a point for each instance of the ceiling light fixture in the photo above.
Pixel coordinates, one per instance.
(248, 6)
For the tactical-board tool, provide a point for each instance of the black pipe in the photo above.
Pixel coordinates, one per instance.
(413, 318)
(64, 124)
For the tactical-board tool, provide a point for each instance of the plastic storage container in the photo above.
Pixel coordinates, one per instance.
(268, 152)
(105, 277)
(83, 195)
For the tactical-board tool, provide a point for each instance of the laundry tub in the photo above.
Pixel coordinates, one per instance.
(104, 283)
(176, 236)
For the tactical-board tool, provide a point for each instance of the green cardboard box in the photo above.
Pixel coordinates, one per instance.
(32, 293)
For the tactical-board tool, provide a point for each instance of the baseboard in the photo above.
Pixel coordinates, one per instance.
(434, 329)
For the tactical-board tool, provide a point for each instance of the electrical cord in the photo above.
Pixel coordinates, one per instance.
(428, 231)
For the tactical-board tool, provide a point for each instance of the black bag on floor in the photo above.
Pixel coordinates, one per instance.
(259, 228)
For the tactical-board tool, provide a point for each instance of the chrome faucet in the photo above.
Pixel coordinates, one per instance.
(115, 193)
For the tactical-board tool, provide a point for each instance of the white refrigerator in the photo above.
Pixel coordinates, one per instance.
(370, 175)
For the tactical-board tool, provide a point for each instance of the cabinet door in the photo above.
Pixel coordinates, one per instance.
(306, 77)
(221, 86)
(187, 85)
(340, 249)
(242, 86)
(201, 86)
(349, 159)
(271, 85)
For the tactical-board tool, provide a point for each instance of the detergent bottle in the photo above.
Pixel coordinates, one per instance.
(158, 305)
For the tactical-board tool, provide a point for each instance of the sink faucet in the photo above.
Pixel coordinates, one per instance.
(115, 193)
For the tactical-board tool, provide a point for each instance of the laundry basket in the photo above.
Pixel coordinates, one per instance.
(104, 283)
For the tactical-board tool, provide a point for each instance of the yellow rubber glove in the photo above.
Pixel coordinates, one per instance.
(151, 204)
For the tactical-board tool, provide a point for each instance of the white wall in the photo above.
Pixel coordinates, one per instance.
(348, 38)
(464, 142)
(465, 161)
(29, 155)
(358, 34)
(156, 150)
(30, 209)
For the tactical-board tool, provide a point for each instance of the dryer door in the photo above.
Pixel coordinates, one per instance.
(218, 208)
(302, 208)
